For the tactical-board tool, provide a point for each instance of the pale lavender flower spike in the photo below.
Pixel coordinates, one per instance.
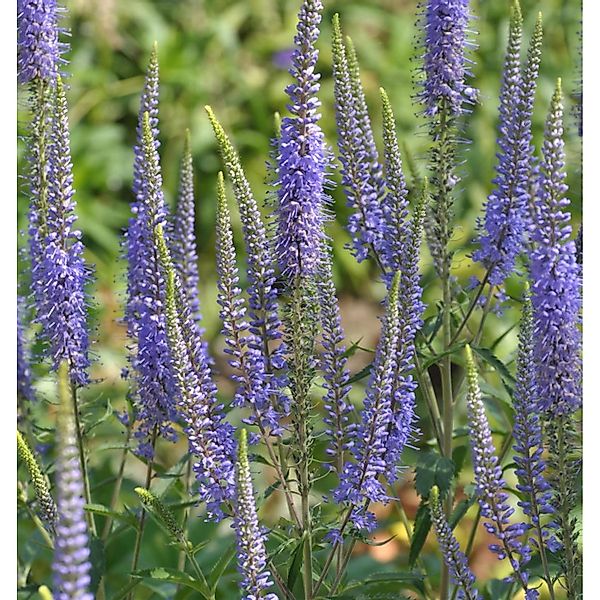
(301, 157)
(60, 274)
(251, 552)
(555, 277)
(445, 63)
(71, 565)
(39, 48)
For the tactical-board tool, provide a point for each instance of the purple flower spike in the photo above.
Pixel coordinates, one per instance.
(506, 216)
(527, 432)
(555, 275)
(25, 391)
(71, 565)
(446, 66)
(490, 485)
(364, 191)
(60, 274)
(39, 49)
(333, 364)
(210, 437)
(251, 551)
(253, 391)
(183, 243)
(155, 388)
(302, 157)
(359, 481)
(455, 560)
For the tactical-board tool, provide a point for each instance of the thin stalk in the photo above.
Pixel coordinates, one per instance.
(429, 394)
(40, 526)
(279, 581)
(82, 460)
(117, 487)
(186, 514)
(142, 522)
(198, 570)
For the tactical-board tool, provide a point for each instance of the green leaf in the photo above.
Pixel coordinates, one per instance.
(489, 357)
(420, 532)
(97, 558)
(433, 469)
(126, 518)
(220, 566)
(432, 360)
(360, 375)
(460, 510)
(459, 454)
(497, 588)
(377, 586)
(174, 576)
(296, 564)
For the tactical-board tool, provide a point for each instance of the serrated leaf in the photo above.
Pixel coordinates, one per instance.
(433, 469)
(420, 532)
(167, 575)
(220, 566)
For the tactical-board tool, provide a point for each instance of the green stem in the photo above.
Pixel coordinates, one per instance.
(82, 460)
(186, 513)
(117, 487)
(142, 521)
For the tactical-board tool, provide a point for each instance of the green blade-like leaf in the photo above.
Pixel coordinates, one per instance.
(167, 575)
(103, 511)
(420, 532)
(220, 566)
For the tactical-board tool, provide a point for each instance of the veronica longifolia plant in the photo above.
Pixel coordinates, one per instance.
(323, 445)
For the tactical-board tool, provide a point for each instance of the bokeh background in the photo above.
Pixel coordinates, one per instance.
(232, 54)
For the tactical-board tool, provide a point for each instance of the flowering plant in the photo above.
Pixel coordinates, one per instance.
(335, 444)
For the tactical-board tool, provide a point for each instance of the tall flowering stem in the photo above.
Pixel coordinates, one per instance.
(454, 559)
(302, 157)
(490, 485)
(61, 273)
(506, 216)
(251, 391)
(210, 437)
(361, 173)
(555, 275)
(71, 565)
(556, 299)
(154, 393)
(264, 322)
(528, 447)
(360, 484)
(333, 363)
(183, 243)
(251, 551)
(25, 393)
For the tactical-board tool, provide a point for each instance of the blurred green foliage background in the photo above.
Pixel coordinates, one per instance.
(228, 53)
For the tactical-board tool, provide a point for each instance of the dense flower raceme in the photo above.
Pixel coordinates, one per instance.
(361, 172)
(210, 437)
(527, 430)
(24, 384)
(445, 63)
(555, 276)
(71, 565)
(155, 390)
(411, 307)
(506, 215)
(489, 483)
(183, 242)
(39, 48)
(60, 274)
(252, 391)
(359, 481)
(455, 560)
(301, 157)
(251, 552)
(263, 319)
(333, 364)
